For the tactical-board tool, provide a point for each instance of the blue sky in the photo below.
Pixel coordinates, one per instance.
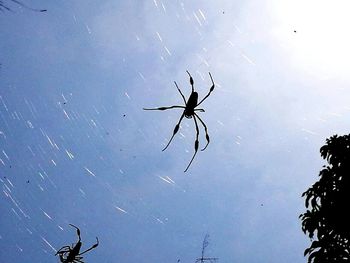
(74, 80)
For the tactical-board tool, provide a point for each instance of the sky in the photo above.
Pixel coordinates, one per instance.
(76, 146)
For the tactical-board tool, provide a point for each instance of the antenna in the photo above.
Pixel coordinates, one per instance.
(203, 259)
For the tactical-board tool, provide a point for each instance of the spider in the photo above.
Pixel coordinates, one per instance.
(190, 109)
(72, 254)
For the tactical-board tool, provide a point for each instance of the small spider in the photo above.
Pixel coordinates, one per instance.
(190, 109)
(72, 254)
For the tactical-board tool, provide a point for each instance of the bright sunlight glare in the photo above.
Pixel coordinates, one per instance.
(316, 35)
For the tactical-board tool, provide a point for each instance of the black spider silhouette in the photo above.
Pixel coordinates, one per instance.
(190, 109)
(72, 254)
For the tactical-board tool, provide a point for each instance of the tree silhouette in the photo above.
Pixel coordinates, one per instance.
(327, 203)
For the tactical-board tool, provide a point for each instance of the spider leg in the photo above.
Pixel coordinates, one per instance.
(165, 108)
(27, 7)
(191, 80)
(94, 246)
(62, 253)
(78, 259)
(196, 143)
(78, 231)
(210, 91)
(183, 97)
(63, 250)
(201, 110)
(206, 131)
(176, 129)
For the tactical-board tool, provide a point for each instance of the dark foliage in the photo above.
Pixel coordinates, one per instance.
(327, 219)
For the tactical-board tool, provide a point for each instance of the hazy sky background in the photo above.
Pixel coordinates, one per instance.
(76, 146)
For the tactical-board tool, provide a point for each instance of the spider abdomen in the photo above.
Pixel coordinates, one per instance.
(191, 104)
